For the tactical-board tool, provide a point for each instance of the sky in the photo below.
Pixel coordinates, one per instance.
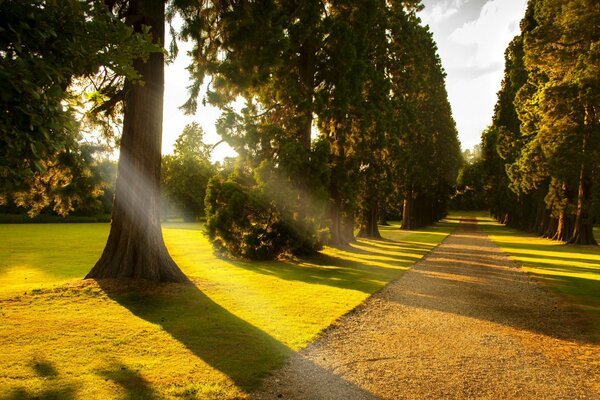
(471, 36)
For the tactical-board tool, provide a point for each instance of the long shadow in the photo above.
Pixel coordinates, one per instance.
(326, 270)
(51, 391)
(136, 387)
(361, 268)
(227, 343)
(472, 290)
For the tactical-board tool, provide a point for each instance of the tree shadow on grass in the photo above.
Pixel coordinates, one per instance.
(52, 389)
(227, 343)
(363, 267)
(135, 386)
(44, 369)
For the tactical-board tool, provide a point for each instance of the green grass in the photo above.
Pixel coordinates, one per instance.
(66, 338)
(570, 270)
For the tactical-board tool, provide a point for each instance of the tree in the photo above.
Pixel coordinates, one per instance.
(74, 39)
(550, 83)
(428, 147)
(272, 61)
(135, 247)
(46, 49)
(185, 174)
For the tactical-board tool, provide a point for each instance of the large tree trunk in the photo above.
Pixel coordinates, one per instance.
(335, 225)
(408, 212)
(544, 222)
(368, 224)
(303, 120)
(336, 216)
(583, 231)
(564, 228)
(135, 246)
(348, 227)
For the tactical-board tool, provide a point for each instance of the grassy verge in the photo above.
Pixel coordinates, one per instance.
(572, 271)
(66, 338)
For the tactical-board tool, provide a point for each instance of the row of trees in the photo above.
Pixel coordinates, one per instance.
(541, 155)
(345, 117)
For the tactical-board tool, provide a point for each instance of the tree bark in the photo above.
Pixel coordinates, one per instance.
(564, 228)
(348, 227)
(408, 212)
(336, 217)
(583, 230)
(335, 225)
(135, 246)
(369, 228)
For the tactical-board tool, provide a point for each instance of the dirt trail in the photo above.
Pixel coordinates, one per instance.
(464, 322)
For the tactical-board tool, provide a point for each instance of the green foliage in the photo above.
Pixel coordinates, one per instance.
(549, 152)
(186, 173)
(361, 70)
(253, 212)
(470, 190)
(46, 48)
(239, 224)
(272, 62)
(79, 181)
(426, 147)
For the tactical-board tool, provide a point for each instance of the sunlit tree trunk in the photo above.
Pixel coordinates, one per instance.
(583, 230)
(135, 246)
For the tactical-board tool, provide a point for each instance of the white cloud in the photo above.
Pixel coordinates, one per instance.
(437, 14)
(497, 24)
(440, 11)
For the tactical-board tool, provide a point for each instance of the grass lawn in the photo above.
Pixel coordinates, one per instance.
(573, 271)
(65, 338)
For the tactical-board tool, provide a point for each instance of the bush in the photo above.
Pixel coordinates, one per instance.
(247, 220)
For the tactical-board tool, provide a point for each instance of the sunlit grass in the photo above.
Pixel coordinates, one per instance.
(573, 271)
(66, 338)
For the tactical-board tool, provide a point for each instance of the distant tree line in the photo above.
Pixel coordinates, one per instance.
(541, 155)
(470, 183)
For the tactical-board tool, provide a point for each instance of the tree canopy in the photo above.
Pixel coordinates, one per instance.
(542, 150)
(49, 53)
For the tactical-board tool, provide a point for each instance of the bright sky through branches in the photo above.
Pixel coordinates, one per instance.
(471, 36)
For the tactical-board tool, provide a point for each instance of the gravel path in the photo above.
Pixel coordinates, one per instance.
(464, 322)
